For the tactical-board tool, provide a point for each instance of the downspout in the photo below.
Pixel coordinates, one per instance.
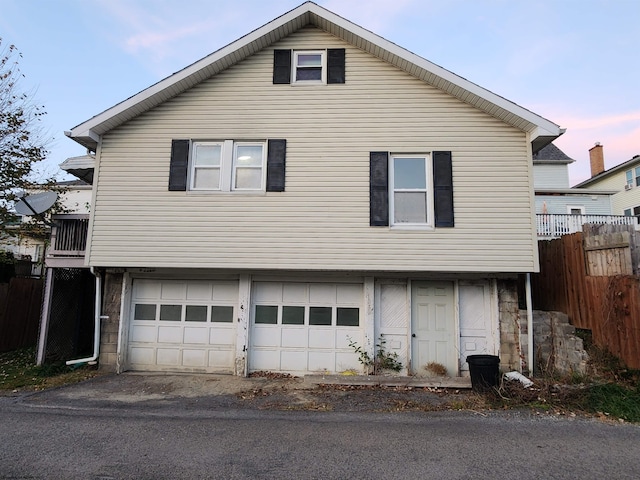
(527, 288)
(97, 317)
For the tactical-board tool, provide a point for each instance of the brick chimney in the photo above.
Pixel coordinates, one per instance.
(596, 156)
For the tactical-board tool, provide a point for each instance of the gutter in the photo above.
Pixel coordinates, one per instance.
(97, 318)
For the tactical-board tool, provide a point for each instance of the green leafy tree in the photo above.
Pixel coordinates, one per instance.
(22, 146)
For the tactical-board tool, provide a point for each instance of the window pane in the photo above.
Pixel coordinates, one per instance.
(196, 313)
(636, 211)
(207, 178)
(629, 175)
(171, 313)
(222, 314)
(293, 315)
(319, 315)
(207, 155)
(309, 60)
(249, 155)
(409, 173)
(410, 207)
(249, 178)
(348, 317)
(627, 213)
(266, 314)
(309, 74)
(148, 312)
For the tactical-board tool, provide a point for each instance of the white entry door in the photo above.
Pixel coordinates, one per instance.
(478, 326)
(433, 327)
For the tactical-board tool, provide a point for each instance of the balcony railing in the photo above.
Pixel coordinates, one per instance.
(552, 226)
(68, 240)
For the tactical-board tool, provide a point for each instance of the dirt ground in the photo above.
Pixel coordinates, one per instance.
(272, 392)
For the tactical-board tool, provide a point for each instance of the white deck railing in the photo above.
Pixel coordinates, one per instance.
(552, 226)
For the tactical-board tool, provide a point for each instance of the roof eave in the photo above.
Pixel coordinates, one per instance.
(541, 130)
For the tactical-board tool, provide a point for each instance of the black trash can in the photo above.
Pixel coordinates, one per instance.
(485, 371)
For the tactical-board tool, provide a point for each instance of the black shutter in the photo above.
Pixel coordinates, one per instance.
(378, 189)
(281, 66)
(443, 189)
(276, 160)
(335, 65)
(179, 165)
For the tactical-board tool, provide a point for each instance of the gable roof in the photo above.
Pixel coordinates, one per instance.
(542, 130)
(623, 166)
(551, 154)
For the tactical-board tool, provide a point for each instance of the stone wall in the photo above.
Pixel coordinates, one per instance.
(511, 358)
(557, 349)
(111, 300)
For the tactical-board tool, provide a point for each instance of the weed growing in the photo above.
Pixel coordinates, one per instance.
(18, 372)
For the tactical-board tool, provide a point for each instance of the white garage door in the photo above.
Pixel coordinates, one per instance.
(305, 327)
(183, 326)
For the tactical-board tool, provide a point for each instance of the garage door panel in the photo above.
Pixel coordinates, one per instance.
(174, 291)
(144, 333)
(347, 361)
(321, 338)
(344, 337)
(168, 356)
(265, 337)
(321, 361)
(199, 291)
(267, 292)
(220, 359)
(265, 359)
(349, 294)
(169, 334)
(225, 291)
(294, 292)
(222, 336)
(295, 361)
(142, 356)
(194, 358)
(294, 337)
(147, 290)
(196, 335)
(322, 293)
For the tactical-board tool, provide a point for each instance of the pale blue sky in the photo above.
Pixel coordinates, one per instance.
(575, 62)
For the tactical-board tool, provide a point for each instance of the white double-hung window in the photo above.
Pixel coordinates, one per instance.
(206, 165)
(411, 186)
(309, 66)
(227, 166)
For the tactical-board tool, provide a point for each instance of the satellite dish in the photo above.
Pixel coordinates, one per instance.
(36, 204)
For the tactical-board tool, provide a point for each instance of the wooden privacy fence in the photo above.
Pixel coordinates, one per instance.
(20, 302)
(607, 303)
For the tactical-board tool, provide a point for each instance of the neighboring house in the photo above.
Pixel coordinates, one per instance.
(559, 208)
(75, 200)
(68, 303)
(623, 179)
(308, 186)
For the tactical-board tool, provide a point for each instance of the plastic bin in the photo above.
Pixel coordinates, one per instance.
(485, 372)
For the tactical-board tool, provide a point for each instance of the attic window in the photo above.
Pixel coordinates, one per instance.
(309, 66)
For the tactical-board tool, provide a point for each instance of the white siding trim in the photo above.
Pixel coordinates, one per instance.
(242, 336)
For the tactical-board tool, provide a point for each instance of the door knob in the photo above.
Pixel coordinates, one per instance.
(413, 335)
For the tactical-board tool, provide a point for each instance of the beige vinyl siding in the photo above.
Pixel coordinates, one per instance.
(624, 198)
(321, 221)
